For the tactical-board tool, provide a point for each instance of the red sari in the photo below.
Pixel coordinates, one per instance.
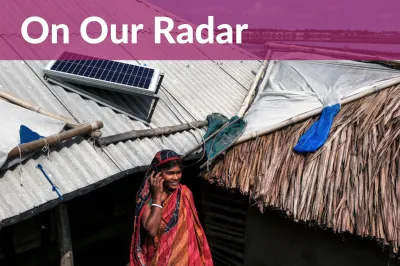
(180, 239)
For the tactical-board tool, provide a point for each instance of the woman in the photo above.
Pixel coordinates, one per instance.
(167, 230)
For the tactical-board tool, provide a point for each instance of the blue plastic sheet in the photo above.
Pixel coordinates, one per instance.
(318, 133)
(27, 135)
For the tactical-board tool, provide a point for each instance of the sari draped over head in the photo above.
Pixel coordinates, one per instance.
(180, 239)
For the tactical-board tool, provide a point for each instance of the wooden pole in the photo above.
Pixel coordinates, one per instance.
(134, 134)
(64, 236)
(253, 88)
(69, 123)
(54, 139)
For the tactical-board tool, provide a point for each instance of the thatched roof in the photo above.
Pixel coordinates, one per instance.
(351, 184)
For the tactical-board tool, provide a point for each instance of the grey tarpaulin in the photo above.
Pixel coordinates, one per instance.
(296, 87)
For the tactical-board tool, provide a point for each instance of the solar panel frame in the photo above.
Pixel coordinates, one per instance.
(146, 119)
(77, 70)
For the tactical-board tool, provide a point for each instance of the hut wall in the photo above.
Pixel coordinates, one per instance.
(224, 219)
(273, 240)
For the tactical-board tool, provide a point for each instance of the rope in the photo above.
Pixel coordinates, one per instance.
(92, 141)
(155, 136)
(181, 118)
(20, 165)
(197, 129)
(46, 148)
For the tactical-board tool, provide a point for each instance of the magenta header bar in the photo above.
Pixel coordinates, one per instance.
(200, 30)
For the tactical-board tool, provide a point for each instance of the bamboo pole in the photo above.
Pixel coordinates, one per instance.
(37, 109)
(252, 90)
(244, 106)
(64, 236)
(69, 123)
(268, 72)
(134, 134)
(310, 114)
(250, 95)
(54, 139)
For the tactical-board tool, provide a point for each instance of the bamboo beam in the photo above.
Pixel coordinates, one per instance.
(54, 139)
(69, 123)
(245, 104)
(64, 236)
(37, 109)
(134, 134)
(252, 90)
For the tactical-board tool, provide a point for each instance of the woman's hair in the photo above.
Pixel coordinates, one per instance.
(170, 164)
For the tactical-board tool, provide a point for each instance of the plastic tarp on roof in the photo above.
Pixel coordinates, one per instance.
(296, 87)
(12, 118)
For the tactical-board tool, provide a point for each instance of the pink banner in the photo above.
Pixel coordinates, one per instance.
(199, 30)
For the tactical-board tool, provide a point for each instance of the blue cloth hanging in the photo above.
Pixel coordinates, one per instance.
(27, 135)
(318, 133)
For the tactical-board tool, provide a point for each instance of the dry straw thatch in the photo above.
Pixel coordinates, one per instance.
(351, 184)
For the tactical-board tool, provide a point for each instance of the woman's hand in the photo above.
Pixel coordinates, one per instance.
(151, 218)
(156, 183)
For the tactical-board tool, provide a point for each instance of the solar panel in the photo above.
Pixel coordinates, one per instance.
(104, 74)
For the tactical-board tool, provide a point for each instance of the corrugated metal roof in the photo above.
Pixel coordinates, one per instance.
(190, 91)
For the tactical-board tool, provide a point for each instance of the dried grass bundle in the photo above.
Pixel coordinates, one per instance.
(351, 184)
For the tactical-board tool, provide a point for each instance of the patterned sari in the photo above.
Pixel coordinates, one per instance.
(180, 239)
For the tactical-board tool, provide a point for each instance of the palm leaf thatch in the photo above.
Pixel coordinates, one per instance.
(352, 184)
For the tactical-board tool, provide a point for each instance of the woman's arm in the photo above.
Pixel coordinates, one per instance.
(151, 218)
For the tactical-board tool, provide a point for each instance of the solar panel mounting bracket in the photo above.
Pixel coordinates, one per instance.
(156, 101)
(95, 98)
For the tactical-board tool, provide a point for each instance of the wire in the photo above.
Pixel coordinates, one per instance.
(183, 117)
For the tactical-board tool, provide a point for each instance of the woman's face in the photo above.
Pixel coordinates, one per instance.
(172, 177)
